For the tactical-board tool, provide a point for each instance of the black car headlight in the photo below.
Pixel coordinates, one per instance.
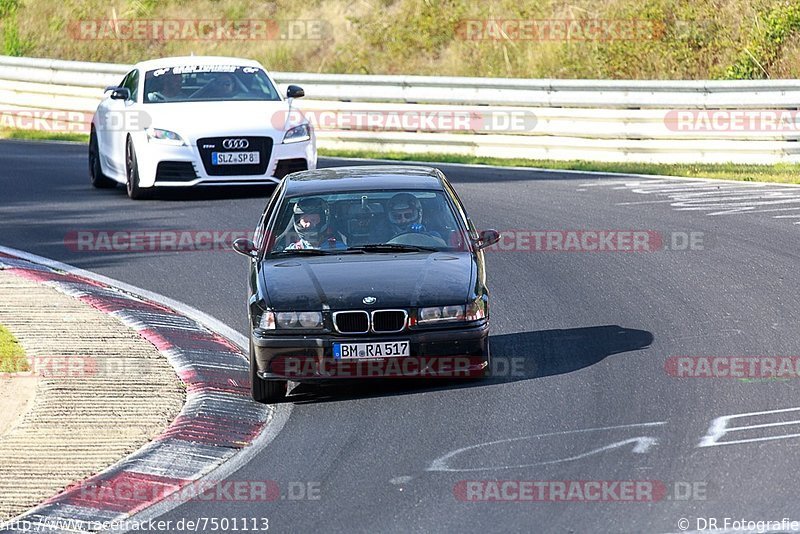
(267, 321)
(306, 320)
(458, 313)
(441, 314)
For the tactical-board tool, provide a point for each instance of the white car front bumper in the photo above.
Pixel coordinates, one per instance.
(165, 165)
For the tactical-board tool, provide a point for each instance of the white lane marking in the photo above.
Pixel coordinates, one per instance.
(279, 414)
(719, 427)
(644, 202)
(715, 198)
(689, 189)
(642, 445)
(776, 209)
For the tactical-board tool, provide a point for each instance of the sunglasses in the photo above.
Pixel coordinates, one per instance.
(407, 215)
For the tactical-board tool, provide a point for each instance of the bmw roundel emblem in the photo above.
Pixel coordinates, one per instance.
(369, 300)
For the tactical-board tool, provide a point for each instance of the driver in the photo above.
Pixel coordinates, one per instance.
(223, 86)
(405, 214)
(169, 87)
(311, 224)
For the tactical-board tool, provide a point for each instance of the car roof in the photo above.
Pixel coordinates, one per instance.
(363, 178)
(195, 60)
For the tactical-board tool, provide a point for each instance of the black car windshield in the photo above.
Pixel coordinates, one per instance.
(204, 83)
(369, 221)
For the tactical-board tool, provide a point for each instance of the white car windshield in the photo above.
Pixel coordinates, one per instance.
(207, 83)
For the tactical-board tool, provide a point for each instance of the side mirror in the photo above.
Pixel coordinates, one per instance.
(245, 247)
(487, 239)
(295, 91)
(120, 93)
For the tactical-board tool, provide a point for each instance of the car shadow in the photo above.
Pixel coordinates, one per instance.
(515, 357)
(210, 192)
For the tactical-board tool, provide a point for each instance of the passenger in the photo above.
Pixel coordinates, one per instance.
(311, 227)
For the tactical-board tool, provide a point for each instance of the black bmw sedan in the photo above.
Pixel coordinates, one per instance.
(360, 272)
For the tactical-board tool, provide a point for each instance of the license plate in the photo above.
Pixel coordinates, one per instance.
(235, 158)
(383, 349)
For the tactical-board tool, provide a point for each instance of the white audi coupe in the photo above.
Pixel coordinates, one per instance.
(187, 121)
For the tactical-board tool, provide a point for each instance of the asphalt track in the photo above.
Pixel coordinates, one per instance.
(592, 330)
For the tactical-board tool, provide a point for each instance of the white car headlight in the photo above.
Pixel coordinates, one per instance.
(297, 134)
(164, 136)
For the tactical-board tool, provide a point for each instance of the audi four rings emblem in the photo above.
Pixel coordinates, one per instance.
(236, 143)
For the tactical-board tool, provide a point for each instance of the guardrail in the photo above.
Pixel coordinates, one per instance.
(605, 120)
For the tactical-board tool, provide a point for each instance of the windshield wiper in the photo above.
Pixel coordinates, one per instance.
(314, 252)
(392, 247)
(301, 252)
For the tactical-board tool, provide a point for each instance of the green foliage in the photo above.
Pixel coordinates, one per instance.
(401, 32)
(142, 8)
(8, 7)
(766, 42)
(687, 39)
(13, 43)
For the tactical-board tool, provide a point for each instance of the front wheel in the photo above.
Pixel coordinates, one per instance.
(265, 391)
(132, 171)
(99, 180)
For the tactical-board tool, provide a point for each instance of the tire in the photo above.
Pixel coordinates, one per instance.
(99, 180)
(132, 172)
(265, 391)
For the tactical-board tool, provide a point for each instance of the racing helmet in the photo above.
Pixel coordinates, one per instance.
(311, 217)
(404, 211)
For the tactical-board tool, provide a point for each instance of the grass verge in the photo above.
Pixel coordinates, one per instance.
(785, 173)
(10, 133)
(12, 357)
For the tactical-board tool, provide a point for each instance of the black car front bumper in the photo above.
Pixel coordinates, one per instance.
(447, 353)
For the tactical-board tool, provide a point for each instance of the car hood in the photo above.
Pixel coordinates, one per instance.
(194, 120)
(343, 281)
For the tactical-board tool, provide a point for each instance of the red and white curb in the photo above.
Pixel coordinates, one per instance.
(218, 429)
